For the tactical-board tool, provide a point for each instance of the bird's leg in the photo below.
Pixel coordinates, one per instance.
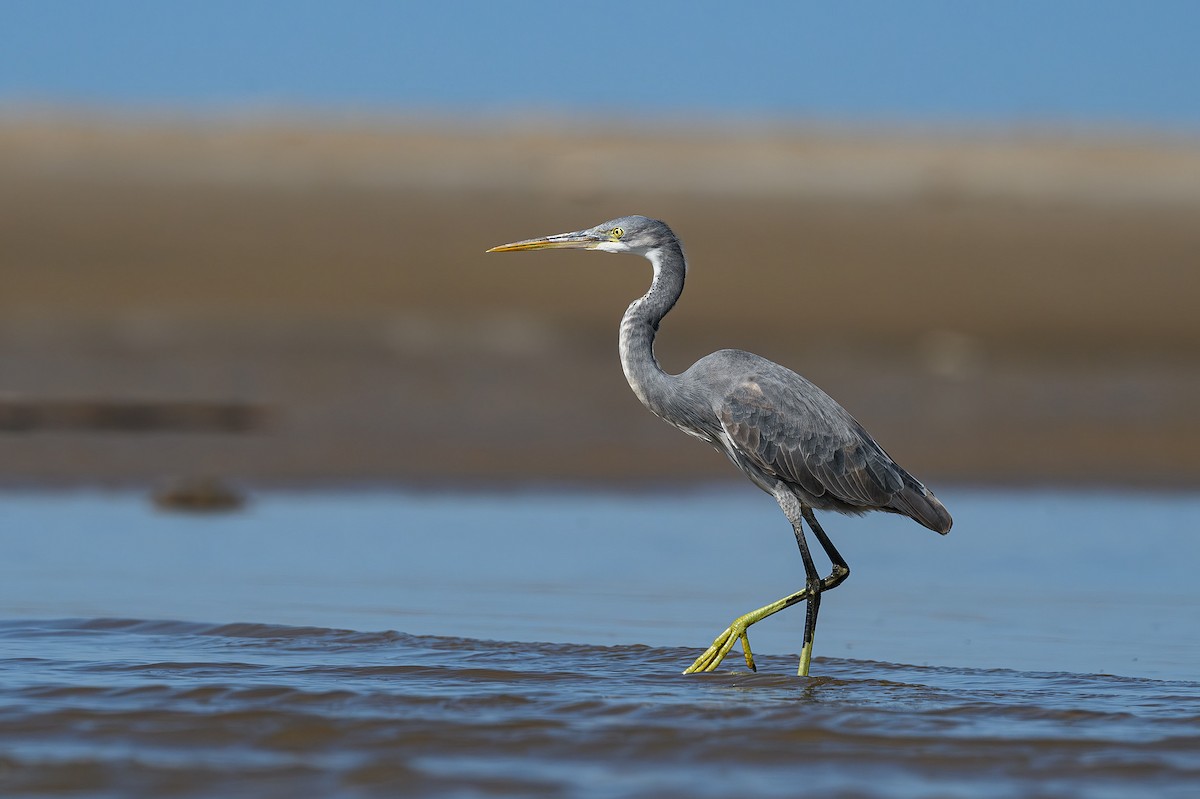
(813, 588)
(840, 570)
(735, 632)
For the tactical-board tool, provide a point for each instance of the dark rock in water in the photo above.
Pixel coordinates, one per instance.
(199, 494)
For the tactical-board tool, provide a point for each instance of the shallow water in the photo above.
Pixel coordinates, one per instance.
(150, 654)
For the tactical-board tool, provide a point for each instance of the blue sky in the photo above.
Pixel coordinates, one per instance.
(1073, 62)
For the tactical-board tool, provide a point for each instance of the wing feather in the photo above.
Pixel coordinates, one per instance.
(788, 428)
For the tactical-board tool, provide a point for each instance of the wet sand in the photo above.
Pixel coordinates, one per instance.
(993, 309)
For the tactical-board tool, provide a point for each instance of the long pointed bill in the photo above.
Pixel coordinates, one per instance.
(580, 240)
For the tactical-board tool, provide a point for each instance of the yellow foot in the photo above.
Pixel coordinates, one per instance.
(805, 660)
(713, 656)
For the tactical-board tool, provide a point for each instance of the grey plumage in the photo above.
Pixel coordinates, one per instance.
(786, 434)
(778, 426)
(772, 423)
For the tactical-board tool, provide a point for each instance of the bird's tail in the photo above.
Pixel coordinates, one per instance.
(919, 504)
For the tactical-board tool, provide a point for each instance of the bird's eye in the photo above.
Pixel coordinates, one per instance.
(617, 232)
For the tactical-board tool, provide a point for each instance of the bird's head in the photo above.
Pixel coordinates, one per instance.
(635, 234)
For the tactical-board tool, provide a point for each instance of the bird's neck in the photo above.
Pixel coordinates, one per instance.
(640, 324)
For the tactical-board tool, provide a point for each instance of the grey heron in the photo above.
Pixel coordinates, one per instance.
(787, 435)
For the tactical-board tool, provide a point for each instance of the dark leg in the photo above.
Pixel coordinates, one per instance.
(840, 570)
(813, 585)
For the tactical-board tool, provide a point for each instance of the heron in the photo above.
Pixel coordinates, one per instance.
(789, 437)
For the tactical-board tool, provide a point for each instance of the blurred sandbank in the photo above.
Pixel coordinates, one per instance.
(994, 307)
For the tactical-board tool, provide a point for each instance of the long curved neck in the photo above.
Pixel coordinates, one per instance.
(640, 324)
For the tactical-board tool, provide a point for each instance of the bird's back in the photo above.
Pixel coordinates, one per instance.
(776, 425)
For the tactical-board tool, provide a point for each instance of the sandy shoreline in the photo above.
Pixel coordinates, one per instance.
(1014, 310)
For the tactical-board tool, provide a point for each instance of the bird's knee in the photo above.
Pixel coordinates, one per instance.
(836, 577)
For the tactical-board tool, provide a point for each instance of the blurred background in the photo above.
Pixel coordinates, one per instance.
(244, 240)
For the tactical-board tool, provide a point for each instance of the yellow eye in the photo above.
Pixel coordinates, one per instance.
(617, 232)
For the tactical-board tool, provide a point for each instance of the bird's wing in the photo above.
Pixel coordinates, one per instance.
(790, 429)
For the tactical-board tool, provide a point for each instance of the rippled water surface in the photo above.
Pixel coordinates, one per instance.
(365, 644)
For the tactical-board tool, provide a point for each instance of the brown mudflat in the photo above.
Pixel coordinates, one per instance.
(1009, 309)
